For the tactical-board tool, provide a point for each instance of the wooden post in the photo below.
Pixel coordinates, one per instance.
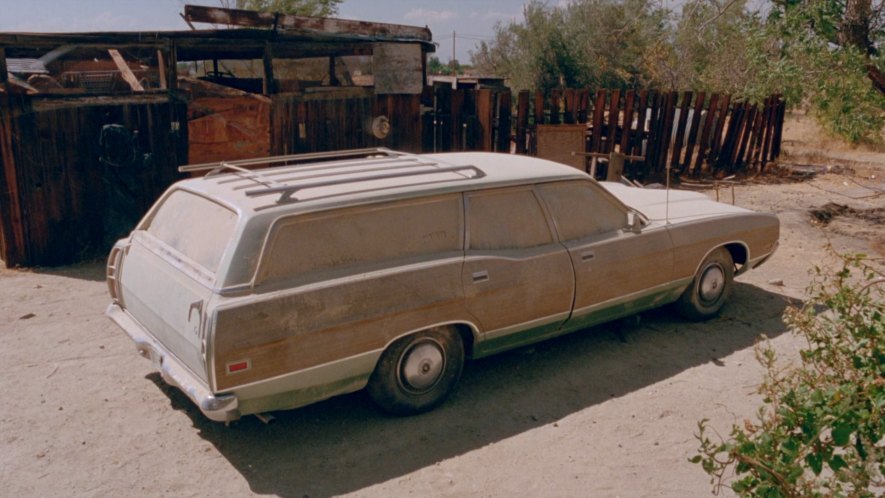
(522, 121)
(268, 87)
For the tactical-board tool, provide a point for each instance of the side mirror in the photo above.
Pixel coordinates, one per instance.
(634, 222)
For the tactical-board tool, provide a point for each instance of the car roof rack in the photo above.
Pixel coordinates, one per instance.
(297, 172)
(287, 191)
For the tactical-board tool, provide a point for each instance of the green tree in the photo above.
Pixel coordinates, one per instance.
(312, 8)
(584, 43)
(820, 55)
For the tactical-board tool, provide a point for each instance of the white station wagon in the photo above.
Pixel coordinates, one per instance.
(260, 290)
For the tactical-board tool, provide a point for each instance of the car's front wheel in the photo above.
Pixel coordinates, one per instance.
(418, 372)
(710, 287)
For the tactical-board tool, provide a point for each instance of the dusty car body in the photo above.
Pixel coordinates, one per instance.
(271, 289)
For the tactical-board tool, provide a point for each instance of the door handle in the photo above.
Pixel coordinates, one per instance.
(480, 276)
(196, 305)
(587, 255)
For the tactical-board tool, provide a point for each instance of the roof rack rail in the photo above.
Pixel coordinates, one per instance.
(287, 191)
(237, 165)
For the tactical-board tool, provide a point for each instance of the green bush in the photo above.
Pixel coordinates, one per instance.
(820, 430)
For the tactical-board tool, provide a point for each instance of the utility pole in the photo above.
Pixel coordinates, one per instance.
(454, 69)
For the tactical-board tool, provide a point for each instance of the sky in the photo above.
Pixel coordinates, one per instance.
(471, 21)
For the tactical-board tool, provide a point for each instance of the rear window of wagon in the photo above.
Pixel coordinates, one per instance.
(194, 226)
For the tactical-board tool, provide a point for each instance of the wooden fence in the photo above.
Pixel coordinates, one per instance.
(692, 133)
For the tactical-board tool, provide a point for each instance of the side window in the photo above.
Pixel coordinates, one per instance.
(510, 219)
(363, 236)
(582, 210)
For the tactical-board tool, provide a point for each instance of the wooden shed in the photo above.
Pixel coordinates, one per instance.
(94, 125)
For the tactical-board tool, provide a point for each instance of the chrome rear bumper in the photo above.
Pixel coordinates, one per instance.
(221, 408)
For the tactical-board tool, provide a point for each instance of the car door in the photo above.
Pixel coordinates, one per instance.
(518, 280)
(617, 271)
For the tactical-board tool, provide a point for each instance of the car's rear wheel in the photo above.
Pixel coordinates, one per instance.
(710, 288)
(417, 372)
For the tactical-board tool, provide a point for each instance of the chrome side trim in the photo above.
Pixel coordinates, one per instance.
(539, 322)
(662, 289)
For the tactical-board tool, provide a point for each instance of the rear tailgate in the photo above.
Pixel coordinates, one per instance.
(166, 275)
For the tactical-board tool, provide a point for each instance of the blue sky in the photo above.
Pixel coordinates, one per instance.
(472, 20)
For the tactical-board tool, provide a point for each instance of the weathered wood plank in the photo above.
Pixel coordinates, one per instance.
(628, 122)
(325, 25)
(680, 131)
(555, 100)
(598, 115)
(667, 133)
(583, 105)
(613, 114)
(484, 113)
(3, 71)
(704, 144)
(745, 136)
(125, 71)
(693, 133)
(571, 106)
(641, 120)
(503, 128)
(268, 84)
(722, 117)
(13, 247)
(522, 121)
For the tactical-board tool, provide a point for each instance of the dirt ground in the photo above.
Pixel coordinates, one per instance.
(594, 413)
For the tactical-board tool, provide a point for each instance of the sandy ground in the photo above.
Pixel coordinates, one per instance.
(595, 413)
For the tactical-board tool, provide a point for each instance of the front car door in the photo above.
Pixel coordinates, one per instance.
(618, 272)
(518, 280)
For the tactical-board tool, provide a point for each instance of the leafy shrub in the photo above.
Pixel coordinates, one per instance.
(820, 431)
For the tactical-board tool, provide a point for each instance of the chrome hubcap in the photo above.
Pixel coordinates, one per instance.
(422, 365)
(712, 283)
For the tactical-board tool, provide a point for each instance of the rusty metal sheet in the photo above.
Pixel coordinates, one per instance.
(557, 142)
(398, 68)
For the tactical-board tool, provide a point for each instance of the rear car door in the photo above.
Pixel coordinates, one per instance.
(518, 280)
(616, 270)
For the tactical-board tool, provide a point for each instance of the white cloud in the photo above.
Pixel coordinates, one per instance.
(428, 15)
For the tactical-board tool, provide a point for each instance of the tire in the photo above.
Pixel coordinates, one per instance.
(417, 372)
(710, 288)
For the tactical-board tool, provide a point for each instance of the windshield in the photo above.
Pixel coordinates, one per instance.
(194, 226)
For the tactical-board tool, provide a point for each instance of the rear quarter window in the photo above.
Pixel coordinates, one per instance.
(195, 227)
(360, 236)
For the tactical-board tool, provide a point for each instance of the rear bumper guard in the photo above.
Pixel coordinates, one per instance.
(220, 408)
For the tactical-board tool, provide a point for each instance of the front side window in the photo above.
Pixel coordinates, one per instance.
(581, 210)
